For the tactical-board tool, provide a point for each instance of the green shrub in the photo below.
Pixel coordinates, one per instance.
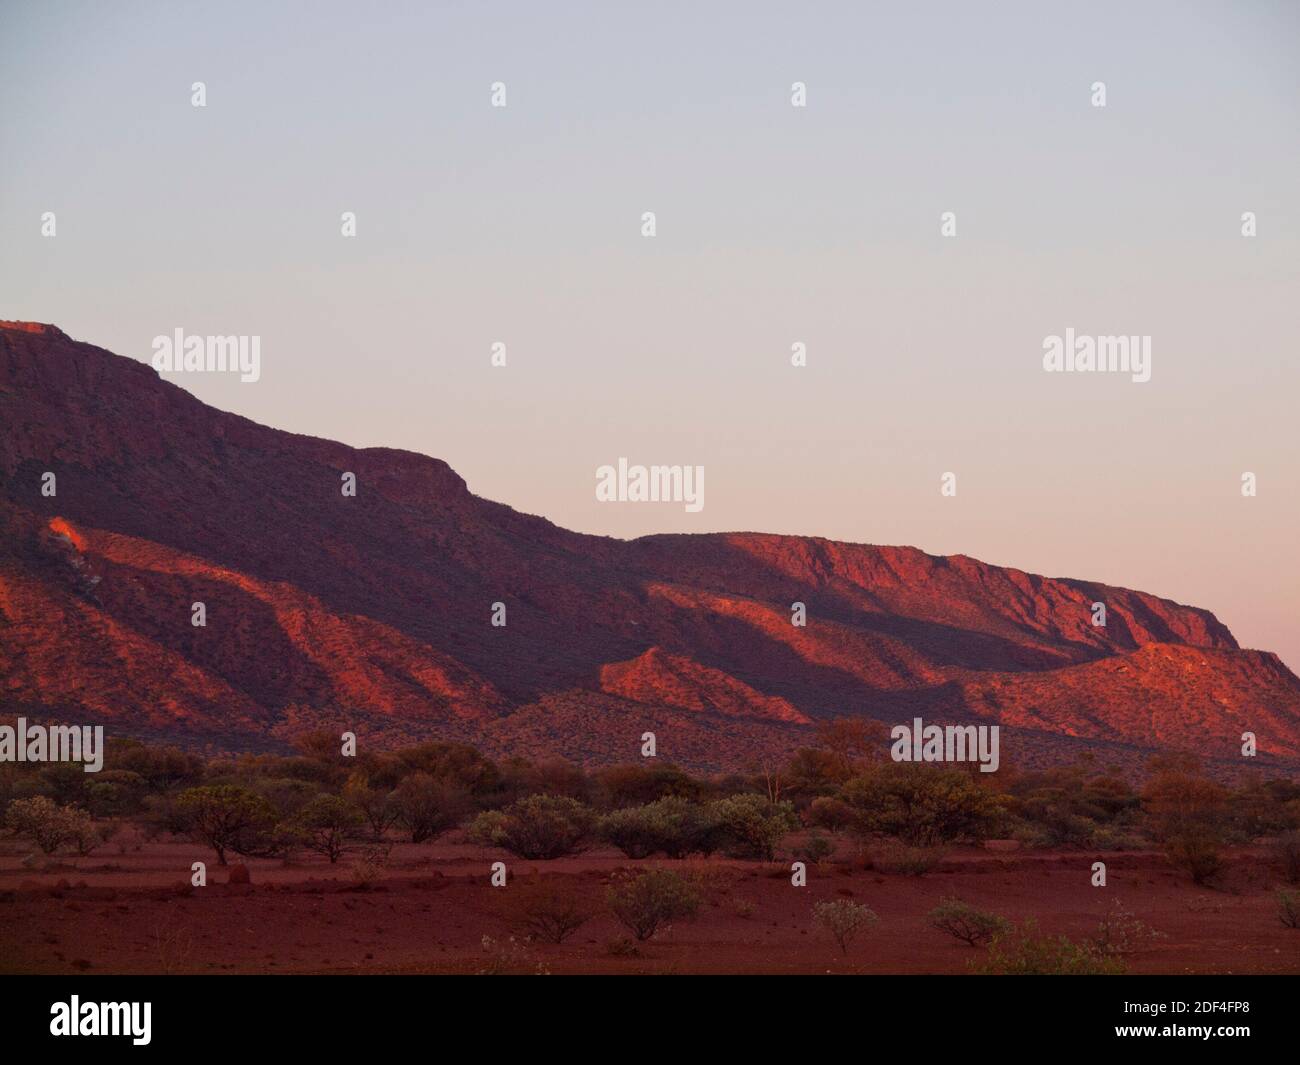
(816, 848)
(672, 826)
(923, 805)
(750, 826)
(51, 826)
(645, 902)
(1021, 950)
(535, 827)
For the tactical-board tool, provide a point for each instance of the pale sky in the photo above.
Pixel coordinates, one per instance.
(775, 225)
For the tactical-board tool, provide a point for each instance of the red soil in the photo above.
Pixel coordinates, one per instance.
(123, 913)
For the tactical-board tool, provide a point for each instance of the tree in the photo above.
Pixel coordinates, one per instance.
(325, 824)
(226, 817)
(645, 902)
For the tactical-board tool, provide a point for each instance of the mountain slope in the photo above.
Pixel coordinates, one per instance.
(374, 613)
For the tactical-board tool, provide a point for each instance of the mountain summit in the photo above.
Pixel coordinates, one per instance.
(373, 613)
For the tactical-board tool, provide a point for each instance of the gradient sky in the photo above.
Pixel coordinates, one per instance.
(775, 225)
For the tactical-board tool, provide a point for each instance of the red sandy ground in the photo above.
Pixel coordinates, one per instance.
(122, 913)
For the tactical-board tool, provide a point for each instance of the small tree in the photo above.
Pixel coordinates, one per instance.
(963, 921)
(1194, 848)
(376, 804)
(645, 902)
(843, 919)
(226, 817)
(543, 909)
(325, 825)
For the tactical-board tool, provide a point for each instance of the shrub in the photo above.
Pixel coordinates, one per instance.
(325, 824)
(227, 817)
(543, 909)
(535, 827)
(1194, 848)
(752, 827)
(843, 919)
(376, 805)
(1286, 850)
(1120, 933)
(897, 857)
(1021, 950)
(645, 902)
(1288, 907)
(370, 864)
(965, 922)
(829, 813)
(672, 825)
(51, 826)
(816, 848)
(923, 805)
(427, 807)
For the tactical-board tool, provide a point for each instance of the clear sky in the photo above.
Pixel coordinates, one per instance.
(775, 224)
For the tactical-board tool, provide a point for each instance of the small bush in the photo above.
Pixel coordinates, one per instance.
(1120, 933)
(843, 919)
(645, 902)
(965, 922)
(908, 860)
(1021, 950)
(1195, 849)
(671, 825)
(51, 826)
(815, 849)
(537, 827)
(1286, 852)
(543, 909)
(751, 826)
(370, 864)
(1288, 907)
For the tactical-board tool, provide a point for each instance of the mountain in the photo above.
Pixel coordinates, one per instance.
(374, 613)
